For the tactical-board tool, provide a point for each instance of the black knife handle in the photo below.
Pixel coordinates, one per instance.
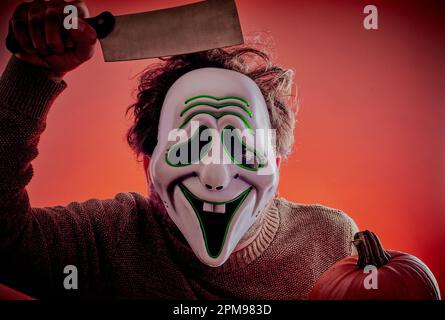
(102, 23)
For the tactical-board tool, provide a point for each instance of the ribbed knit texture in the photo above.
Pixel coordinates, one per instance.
(126, 248)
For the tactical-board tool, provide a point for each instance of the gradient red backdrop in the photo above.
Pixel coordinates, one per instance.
(370, 131)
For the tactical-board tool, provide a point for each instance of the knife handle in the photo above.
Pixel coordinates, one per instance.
(102, 23)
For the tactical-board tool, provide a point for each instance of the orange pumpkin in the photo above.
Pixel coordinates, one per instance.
(398, 275)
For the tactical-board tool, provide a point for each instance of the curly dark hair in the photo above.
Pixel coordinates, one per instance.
(275, 84)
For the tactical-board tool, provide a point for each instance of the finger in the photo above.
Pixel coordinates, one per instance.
(19, 24)
(36, 26)
(53, 28)
(84, 38)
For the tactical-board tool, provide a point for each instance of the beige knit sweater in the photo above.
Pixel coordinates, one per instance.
(124, 247)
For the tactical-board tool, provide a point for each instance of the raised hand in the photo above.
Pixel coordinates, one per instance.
(38, 29)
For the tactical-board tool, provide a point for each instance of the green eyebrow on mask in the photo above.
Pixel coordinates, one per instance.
(216, 115)
(217, 105)
(218, 99)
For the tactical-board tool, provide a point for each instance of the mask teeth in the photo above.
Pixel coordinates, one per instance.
(220, 208)
(208, 207)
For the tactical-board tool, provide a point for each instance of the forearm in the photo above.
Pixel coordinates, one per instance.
(26, 94)
(37, 243)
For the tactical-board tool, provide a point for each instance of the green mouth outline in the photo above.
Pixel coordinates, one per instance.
(241, 197)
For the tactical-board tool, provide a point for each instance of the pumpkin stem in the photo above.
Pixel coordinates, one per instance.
(370, 250)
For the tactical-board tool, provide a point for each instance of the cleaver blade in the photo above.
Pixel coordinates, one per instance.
(185, 29)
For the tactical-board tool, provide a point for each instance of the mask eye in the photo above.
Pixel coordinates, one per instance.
(190, 151)
(241, 154)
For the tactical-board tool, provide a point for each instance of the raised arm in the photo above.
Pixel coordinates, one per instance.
(36, 244)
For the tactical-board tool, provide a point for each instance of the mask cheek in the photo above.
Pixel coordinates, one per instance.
(243, 222)
(185, 219)
(162, 175)
(265, 182)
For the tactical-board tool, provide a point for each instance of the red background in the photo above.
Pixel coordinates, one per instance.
(370, 132)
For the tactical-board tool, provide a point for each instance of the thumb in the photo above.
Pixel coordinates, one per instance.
(84, 38)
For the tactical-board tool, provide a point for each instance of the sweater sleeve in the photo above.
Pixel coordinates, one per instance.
(36, 244)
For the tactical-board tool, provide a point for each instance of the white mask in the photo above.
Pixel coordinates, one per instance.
(214, 204)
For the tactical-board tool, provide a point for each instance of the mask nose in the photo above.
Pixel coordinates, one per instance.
(215, 176)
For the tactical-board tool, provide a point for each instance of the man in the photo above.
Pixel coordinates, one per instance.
(210, 228)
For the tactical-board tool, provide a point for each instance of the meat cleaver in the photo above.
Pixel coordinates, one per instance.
(185, 29)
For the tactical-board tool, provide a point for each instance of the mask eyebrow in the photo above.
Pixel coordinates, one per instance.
(218, 99)
(216, 115)
(217, 105)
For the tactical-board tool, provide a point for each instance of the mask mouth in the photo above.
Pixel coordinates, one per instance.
(214, 218)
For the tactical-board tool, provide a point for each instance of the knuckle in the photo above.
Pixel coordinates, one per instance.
(22, 5)
(21, 9)
(36, 9)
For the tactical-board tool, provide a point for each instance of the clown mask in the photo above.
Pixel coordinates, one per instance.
(214, 165)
